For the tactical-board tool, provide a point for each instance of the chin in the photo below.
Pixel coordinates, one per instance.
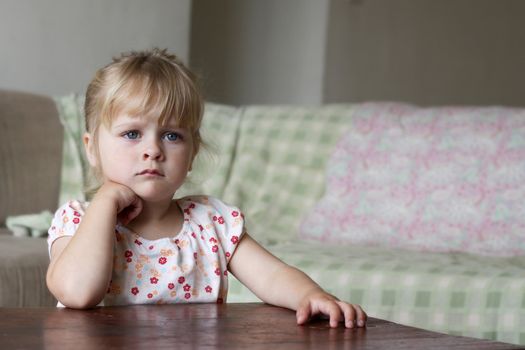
(154, 195)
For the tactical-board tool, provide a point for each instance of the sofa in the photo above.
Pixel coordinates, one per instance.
(298, 173)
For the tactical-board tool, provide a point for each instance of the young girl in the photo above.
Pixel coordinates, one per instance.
(133, 243)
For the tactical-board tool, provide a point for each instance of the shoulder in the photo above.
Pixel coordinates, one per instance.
(209, 206)
(67, 215)
(73, 206)
(66, 220)
(69, 211)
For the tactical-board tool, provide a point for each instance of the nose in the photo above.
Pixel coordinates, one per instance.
(152, 151)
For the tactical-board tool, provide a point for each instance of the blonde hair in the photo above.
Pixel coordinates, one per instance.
(144, 83)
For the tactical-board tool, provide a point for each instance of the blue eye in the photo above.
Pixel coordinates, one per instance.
(131, 135)
(172, 136)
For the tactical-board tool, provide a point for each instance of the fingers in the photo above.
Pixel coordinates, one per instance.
(362, 317)
(136, 208)
(349, 314)
(337, 311)
(354, 314)
(303, 313)
(334, 312)
(130, 212)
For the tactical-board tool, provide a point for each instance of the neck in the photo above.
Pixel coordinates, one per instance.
(155, 211)
(158, 219)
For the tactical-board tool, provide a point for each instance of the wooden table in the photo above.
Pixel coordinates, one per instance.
(245, 326)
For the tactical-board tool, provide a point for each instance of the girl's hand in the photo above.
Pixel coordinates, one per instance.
(128, 204)
(321, 302)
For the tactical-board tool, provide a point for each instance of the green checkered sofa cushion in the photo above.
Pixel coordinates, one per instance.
(73, 178)
(459, 294)
(278, 171)
(211, 167)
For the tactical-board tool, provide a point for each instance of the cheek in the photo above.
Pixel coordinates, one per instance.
(112, 156)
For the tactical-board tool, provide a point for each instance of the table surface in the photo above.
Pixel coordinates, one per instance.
(247, 326)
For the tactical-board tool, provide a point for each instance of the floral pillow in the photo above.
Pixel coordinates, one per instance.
(434, 179)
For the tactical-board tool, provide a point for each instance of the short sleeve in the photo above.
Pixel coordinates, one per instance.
(228, 222)
(65, 222)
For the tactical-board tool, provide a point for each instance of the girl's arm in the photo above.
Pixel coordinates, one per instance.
(80, 269)
(277, 283)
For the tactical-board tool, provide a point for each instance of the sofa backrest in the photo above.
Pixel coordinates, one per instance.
(30, 154)
(278, 169)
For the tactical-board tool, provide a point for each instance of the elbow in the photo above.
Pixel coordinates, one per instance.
(71, 295)
(78, 302)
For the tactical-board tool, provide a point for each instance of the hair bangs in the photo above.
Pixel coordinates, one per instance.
(154, 91)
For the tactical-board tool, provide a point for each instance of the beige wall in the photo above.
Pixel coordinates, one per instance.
(260, 51)
(54, 46)
(428, 52)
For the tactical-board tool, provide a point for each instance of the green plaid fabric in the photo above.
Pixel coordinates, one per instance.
(459, 294)
(278, 171)
(211, 167)
(74, 163)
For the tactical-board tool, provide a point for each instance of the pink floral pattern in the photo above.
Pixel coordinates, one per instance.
(184, 268)
(436, 179)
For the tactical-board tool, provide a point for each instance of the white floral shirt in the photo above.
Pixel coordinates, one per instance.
(190, 267)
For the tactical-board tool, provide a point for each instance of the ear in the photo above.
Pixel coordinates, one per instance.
(89, 147)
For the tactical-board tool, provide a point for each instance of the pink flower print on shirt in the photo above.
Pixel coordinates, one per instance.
(221, 220)
(153, 280)
(171, 285)
(218, 271)
(235, 213)
(76, 221)
(186, 287)
(208, 289)
(228, 255)
(215, 248)
(187, 295)
(134, 291)
(235, 239)
(137, 242)
(128, 254)
(192, 205)
(201, 228)
(213, 240)
(150, 295)
(182, 280)
(162, 260)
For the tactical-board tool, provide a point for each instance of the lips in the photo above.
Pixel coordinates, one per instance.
(151, 172)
